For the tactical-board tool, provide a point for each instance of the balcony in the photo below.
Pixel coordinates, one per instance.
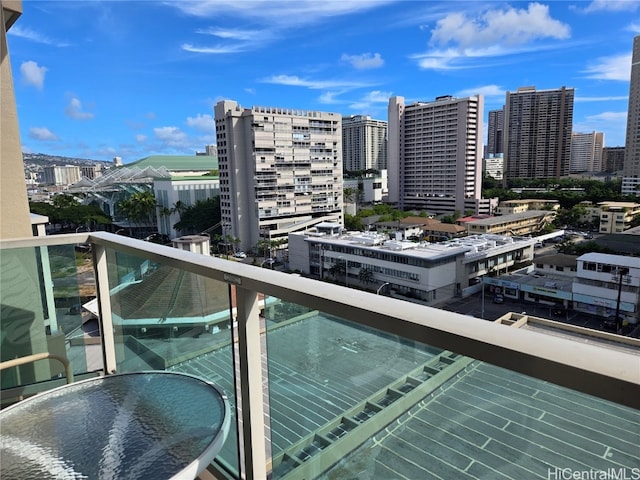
(323, 381)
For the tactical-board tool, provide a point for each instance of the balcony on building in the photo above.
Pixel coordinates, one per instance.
(324, 381)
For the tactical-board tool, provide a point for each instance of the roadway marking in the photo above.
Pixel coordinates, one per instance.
(348, 349)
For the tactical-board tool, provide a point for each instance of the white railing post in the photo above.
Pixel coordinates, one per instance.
(252, 409)
(104, 308)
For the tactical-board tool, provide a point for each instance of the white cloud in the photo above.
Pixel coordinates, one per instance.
(329, 98)
(634, 27)
(21, 32)
(371, 100)
(42, 134)
(612, 123)
(295, 81)
(233, 34)
(616, 67)
(203, 123)
(600, 99)
(217, 49)
(141, 138)
(486, 90)
(509, 27)
(74, 110)
(33, 74)
(363, 61)
(277, 12)
(171, 136)
(612, 6)
(464, 40)
(273, 16)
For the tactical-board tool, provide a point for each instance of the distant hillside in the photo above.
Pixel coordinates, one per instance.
(44, 160)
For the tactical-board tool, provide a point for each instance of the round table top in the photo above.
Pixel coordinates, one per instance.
(147, 425)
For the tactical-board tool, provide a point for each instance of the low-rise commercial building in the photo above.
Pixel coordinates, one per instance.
(608, 285)
(430, 273)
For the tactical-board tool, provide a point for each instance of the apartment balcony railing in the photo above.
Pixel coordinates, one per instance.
(324, 381)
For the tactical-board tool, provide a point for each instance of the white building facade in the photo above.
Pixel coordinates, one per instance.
(173, 194)
(435, 153)
(280, 170)
(606, 284)
(61, 174)
(364, 143)
(586, 152)
(427, 272)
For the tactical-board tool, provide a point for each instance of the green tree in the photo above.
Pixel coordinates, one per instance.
(365, 275)
(139, 208)
(199, 216)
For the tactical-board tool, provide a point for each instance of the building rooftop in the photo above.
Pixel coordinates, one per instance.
(611, 259)
(178, 163)
(454, 417)
(559, 259)
(472, 245)
(513, 217)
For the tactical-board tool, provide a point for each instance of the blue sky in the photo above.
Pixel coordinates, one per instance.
(98, 79)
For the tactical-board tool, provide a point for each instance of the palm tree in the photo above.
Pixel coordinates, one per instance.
(139, 208)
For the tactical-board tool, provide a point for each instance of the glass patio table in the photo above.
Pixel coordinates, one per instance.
(127, 426)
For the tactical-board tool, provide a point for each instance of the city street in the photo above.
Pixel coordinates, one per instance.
(472, 306)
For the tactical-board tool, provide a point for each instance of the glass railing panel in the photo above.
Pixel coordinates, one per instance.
(166, 318)
(44, 293)
(347, 401)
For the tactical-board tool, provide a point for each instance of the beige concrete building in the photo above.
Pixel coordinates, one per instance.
(517, 224)
(280, 170)
(14, 205)
(28, 315)
(509, 207)
(612, 217)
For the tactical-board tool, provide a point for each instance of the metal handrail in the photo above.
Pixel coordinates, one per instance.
(16, 362)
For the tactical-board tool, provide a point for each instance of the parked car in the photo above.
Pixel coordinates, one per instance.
(498, 298)
(240, 255)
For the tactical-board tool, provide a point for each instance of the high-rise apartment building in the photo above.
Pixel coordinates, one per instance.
(495, 133)
(612, 159)
(538, 126)
(586, 152)
(631, 170)
(364, 143)
(435, 153)
(280, 170)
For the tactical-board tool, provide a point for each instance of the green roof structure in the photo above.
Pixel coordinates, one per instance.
(178, 163)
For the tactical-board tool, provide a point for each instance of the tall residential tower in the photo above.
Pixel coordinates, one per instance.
(364, 143)
(538, 127)
(586, 152)
(495, 133)
(280, 170)
(631, 170)
(435, 153)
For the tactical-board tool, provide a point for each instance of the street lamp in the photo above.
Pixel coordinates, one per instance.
(381, 287)
(621, 273)
(346, 270)
(482, 314)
